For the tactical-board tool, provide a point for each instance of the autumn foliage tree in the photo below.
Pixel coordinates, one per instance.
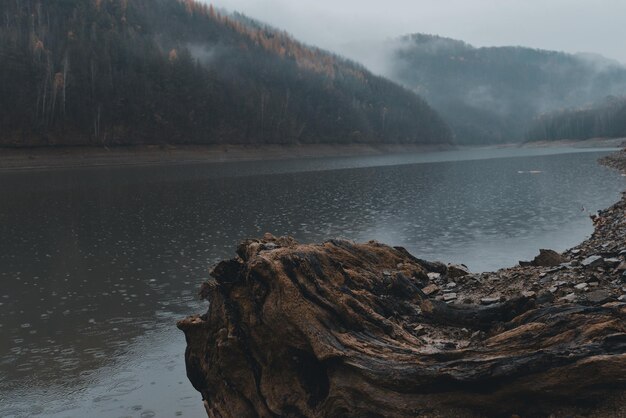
(123, 72)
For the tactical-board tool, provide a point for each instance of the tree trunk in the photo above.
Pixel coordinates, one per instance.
(343, 329)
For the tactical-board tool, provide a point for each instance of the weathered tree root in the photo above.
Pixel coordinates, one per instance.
(343, 329)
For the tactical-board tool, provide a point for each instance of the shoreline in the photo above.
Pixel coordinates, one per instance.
(146, 155)
(26, 159)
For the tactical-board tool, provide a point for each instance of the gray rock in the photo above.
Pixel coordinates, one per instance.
(557, 269)
(545, 297)
(528, 294)
(569, 298)
(612, 262)
(449, 296)
(593, 261)
(581, 286)
(622, 298)
(599, 296)
(489, 301)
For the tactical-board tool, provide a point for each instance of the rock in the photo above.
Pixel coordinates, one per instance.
(599, 296)
(431, 289)
(622, 266)
(457, 270)
(622, 298)
(449, 296)
(569, 298)
(451, 285)
(612, 262)
(548, 258)
(575, 252)
(434, 276)
(419, 330)
(545, 297)
(558, 268)
(529, 294)
(581, 286)
(592, 261)
(489, 301)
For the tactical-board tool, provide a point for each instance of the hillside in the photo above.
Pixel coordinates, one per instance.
(605, 119)
(492, 94)
(121, 72)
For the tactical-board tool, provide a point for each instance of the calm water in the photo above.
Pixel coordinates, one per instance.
(96, 265)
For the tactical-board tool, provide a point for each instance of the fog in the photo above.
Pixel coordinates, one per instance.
(566, 25)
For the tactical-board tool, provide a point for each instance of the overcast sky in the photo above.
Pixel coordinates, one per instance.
(597, 26)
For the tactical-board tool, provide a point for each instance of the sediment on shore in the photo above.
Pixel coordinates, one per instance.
(72, 157)
(347, 329)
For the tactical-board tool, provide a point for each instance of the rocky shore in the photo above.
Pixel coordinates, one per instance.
(346, 329)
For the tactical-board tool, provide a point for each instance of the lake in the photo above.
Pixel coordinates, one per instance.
(96, 265)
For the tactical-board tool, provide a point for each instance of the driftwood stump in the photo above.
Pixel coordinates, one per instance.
(343, 329)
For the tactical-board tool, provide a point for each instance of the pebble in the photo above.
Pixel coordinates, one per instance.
(489, 301)
(430, 289)
(569, 298)
(592, 261)
(581, 286)
(612, 261)
(449, 296)
(598, 296)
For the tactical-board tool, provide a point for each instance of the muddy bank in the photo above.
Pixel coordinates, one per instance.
(346, 329)
(68, 157)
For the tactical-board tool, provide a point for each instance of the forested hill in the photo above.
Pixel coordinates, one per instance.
(116, 72)
(492, 94)
(606, 119)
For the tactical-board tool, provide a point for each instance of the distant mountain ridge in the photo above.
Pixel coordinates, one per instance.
(493, 94)
(122, 72)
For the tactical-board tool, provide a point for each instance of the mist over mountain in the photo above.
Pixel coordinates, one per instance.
(491, 94)
(120, 72)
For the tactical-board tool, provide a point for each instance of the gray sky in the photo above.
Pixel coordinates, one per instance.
(597, 26)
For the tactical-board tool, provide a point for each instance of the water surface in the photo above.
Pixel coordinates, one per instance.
(96, 265)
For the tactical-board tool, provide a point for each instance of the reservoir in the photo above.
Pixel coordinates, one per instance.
(97, 264)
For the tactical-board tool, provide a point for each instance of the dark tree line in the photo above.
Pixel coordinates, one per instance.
(120, 72)
(604, 120)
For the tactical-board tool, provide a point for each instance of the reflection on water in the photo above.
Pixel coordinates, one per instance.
(97, 264)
